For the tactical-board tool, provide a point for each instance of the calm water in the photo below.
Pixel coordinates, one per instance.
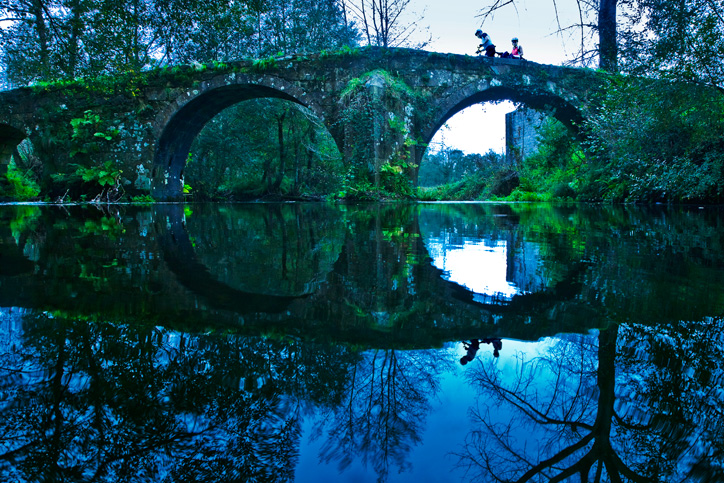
(309, 342)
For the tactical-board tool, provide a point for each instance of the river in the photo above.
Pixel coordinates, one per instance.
(317, 342)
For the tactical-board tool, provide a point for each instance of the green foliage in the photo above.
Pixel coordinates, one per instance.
(453, 175)
(520, 194)
(261, 65)
(395, 179)
(99, 183)
(240, 156)
(552, 172)
(680, 40)
(88, 131)
(357, 186)
(343, 51)
(469, 188)
(70, 39)
(346, 50)
(105, 175)
(656, 142)
(143, 199)
(21, 185)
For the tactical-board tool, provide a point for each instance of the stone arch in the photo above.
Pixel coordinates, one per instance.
(10, 137)
(559, 107)
(177, 127)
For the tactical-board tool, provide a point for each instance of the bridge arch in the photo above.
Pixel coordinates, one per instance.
(10, 137)
(557, 105)
(178, 125)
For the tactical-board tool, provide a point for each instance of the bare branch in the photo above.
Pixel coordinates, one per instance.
(560, 456)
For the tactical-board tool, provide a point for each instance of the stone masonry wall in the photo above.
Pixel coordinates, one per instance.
(521, 134)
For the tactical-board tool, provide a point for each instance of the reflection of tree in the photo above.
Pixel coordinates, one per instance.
(382, 416)
(583, 411)
(279, 249)
(96, 402)
(672, 390)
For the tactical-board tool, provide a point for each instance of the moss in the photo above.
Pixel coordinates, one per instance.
(261, 65)
(395, 84)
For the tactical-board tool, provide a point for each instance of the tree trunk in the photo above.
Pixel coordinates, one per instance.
(76, 28)
(38, 12)
(607, 42)
(297, 159)
(282, 158)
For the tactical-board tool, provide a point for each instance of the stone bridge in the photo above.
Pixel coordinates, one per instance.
(378, 104)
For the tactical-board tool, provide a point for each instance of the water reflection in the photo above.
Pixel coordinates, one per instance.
(588, 407)
(177, 343)
(89, 401)
(479, 268)
(388, 397)
(494, 264)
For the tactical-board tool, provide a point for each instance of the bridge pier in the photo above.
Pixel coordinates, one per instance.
(380, 126)
(167, 184)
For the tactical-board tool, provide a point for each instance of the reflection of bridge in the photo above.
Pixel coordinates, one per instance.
(358, 302)
(151, 119)
(360, 275)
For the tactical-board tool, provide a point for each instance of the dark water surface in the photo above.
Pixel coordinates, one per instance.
(312, 342)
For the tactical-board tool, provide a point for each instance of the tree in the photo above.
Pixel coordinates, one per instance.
(27, 39)
(383, 21)
(264, 146)
(387, 398)
(306, 26)
(681, 40)
(676, 152)
(107, 403)
(43, 40)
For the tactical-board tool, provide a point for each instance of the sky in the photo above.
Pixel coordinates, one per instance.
(452, 23)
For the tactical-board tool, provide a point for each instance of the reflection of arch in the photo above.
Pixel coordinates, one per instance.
(559, 107)
(10, 137)
(178, 252)
(522, 304)
(559, 307)
(178, 127)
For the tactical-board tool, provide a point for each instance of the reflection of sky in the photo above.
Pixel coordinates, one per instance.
(447, 425)
(480, 267)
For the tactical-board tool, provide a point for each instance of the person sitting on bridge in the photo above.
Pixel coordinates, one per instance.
(487, 44)
(517, 52)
